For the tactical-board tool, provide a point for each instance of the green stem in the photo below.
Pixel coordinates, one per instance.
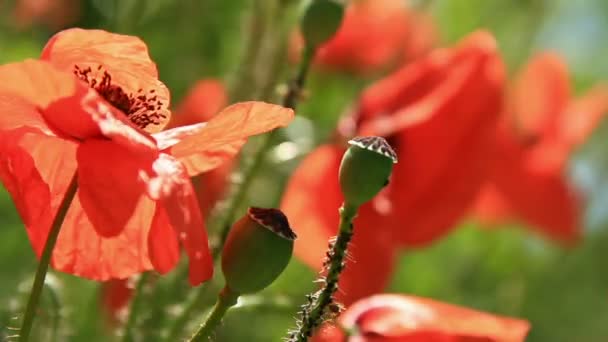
(314, 311)
(45, 259)
(290, 101)
(225, 300)
(133, 311)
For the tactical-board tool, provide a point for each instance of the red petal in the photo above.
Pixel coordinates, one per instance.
(538, 195)
(212, 185)
(314, 219)
(540, 95)
(81, 251)
(162, 242)
(26, 157)
(109, 183)
(125, 58)
(203, 147)
(205, 99)
(444, 140)
(583, 115)
(408, 318)
(173, 188)
(373, 35)
(22, 180)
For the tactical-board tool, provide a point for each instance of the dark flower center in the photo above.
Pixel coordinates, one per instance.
(142, 108)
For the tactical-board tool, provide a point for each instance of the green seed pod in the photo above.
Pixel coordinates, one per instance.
(321, 21)
(257, 250)
(365, 169)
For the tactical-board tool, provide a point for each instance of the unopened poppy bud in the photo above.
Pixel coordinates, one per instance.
(257, 250)
(321, 21)
(365, 168)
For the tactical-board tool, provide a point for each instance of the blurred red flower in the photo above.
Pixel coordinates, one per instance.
(393, 317)
(374, 35)
(115, 296)
(440, 115)
(55, 14)
(93, 104)
(540, 127)
(204, 100)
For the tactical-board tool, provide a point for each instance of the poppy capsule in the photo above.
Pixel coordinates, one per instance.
(257, 250)
(365, 169)
(321, 21)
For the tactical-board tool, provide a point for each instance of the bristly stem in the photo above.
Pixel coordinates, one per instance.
(45, 260)
(225, 300)
(315, 311)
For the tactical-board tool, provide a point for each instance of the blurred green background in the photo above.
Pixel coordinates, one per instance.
(563, 292)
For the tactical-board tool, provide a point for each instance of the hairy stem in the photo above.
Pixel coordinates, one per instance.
(45, 260)
(314, 311)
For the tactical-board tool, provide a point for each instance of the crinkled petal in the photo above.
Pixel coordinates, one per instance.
(407, 318)
(124, 58)
(202, 147)
(22, 180)
(162, 242)
(110, 184)
(314, 219)
(29, 168)
(171, 186)
(83, 252)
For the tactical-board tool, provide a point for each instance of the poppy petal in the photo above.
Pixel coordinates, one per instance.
(173, 188)
(25, 158)
(444, 141)
(409, 318)
(583, 115)
(124, 58)
(314, 219)
(202, 147)
(539, 95)
(538, 195)
(83, 252)
(110, 184)
(22, 180)
(162, 242)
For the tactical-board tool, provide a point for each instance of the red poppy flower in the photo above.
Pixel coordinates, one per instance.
(393, 317)
(93, 104)
(55, 14)
(204, 100)
(374, 34)
(541, 126)
(440, 114)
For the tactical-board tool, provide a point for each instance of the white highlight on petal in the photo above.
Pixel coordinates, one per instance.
(168, 138)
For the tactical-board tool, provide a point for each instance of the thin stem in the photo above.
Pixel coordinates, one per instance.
(45, 259)
(225, 300)
(134, 309)
(312, 315)
(290, 101)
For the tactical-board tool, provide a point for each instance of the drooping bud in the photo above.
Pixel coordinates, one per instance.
(365, 168)
(257, 250)
(321, 21)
